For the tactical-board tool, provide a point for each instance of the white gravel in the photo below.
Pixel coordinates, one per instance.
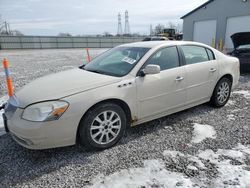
(231, 117)
(245, 93)
(159, 153)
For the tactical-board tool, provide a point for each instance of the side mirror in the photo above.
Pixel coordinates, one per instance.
(150, 69)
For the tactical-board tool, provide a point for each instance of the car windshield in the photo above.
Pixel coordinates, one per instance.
(247, 46)
(118, 61)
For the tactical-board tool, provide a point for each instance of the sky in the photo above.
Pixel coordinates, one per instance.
(90, 17)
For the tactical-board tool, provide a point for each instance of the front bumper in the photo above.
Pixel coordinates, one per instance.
(39, 135)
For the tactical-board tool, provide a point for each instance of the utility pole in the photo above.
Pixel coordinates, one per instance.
(151, 30)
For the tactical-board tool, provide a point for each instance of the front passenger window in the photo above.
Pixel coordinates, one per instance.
(194, 54)
(166, 58)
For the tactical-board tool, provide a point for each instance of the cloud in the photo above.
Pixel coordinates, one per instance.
(47, 17)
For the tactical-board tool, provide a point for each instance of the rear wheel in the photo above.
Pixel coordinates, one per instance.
(221, 93)
(103, 126)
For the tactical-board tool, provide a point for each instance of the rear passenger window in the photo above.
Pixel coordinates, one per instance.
(194, 54)
(210, 54)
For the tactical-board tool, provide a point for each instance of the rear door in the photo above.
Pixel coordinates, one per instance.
(202, 72)
(164, 91)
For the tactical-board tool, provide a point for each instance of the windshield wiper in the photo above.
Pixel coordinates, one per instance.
(90, 70)
(82, 67)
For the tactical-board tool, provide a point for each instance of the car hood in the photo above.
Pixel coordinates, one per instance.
(59, 85)
(240, 39)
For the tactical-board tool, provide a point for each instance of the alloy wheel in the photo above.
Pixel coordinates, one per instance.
(223, 92)
(105, 127)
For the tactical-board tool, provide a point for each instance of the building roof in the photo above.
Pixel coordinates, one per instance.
(204, 4)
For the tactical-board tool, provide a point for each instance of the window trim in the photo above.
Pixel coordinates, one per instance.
(181, 63)
(212, 54)
(183, 56)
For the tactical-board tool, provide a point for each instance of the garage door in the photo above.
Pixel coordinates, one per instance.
(235, 25)
(205, 31)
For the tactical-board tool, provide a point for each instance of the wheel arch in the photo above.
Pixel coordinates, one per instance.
(119, 102)
(229, 76)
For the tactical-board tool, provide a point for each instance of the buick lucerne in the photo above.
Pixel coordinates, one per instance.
(125, 86)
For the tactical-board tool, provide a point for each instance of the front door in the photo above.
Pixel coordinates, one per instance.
(162, 92)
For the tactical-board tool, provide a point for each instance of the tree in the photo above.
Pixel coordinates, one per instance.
(159, 29)
(135, 35)
(179, 28)
(17, 33)
(107, 34)
(64, 35)
(171, 25)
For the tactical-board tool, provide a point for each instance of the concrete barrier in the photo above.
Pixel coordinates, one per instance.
(45, 42)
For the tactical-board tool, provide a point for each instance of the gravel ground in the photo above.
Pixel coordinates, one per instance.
(74, 167)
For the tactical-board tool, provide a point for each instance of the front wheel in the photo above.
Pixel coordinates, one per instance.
(221, 93)
(103, 126)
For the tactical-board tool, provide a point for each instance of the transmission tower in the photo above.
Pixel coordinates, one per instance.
(127, 28)
(4, 27)
(119, 31)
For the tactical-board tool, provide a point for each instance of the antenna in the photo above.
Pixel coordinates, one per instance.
(127, 28)
(119, 30)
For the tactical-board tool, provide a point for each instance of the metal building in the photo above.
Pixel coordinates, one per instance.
(217, 20)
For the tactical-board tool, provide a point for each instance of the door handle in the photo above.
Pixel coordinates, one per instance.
(212, 70)
(179, 78)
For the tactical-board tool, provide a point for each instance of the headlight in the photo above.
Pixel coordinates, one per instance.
(45, 111)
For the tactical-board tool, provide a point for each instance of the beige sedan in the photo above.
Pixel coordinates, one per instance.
(125, 86)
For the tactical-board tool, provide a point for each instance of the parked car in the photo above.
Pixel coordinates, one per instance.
(125, 86)
(241, 50)
(155, 38)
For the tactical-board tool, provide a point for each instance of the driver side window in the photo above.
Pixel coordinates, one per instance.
(166, 58)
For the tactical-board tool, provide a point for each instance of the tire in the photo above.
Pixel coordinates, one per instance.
(97, 132)
(221, 93)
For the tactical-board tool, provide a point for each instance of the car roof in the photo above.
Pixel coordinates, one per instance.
(152, 44)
